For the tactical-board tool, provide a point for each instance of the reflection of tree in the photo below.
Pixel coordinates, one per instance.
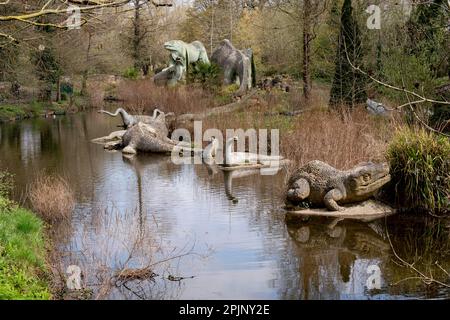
(422, 244)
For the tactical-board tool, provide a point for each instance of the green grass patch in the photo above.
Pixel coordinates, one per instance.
(22, 249)
(420, 169)
(8, 112)
(33, 109)
(22, 252)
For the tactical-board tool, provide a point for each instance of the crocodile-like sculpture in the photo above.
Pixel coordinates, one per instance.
(319, 184)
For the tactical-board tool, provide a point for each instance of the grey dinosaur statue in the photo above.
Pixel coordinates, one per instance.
(237, 66)
(146, 138)
(182, 54)
(158, 120)
(319, 184)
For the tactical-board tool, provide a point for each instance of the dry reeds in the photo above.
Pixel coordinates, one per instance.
(142, 96)
(52, 198)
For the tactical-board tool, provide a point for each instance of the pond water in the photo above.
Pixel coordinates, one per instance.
(147, 211)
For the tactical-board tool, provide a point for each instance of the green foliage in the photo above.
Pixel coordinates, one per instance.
(349, 85)
(131, 73)
(22, 249)
(428, 35)
(8, 112)
(208, 75)
(420, 169)
(407, 71)
(22, 253)
(6, 183)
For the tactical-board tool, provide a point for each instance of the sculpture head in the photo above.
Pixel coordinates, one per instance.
(176, 48)
(366, 178)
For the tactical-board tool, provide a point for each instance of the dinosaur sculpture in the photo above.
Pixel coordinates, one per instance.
(210, 151)
(158, 120)
(319, 184)
(146, 138)
(182, 54)
(242, 158)
(237, 66)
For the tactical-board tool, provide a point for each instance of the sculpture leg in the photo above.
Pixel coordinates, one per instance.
(228, 76)
(330, 200)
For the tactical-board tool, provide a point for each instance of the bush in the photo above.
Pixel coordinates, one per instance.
(420, 170)
(52, 198)
(131, 73)
(208, 75)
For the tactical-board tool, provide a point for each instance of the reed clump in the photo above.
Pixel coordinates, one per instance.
(52, 198)
(420, 169)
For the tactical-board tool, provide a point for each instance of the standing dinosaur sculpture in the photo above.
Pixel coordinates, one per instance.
(237, 66)
(182, 54)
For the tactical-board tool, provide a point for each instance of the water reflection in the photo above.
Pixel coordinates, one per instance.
(236, 250)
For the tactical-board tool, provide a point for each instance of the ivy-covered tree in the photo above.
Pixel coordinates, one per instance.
(349, 85)
(47, 70)
(429, 35)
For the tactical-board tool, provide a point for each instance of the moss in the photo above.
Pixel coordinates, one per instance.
(420, 169)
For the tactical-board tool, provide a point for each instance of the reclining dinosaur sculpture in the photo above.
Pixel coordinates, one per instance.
(158, 119)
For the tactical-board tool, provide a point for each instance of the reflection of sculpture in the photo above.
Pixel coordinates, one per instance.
(181, 55)
(236, 65)
(322, 185)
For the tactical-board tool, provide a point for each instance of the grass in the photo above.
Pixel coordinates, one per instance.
(420, 169)
(34, 109)
(22, 254)
(142, 96)
(341, 139)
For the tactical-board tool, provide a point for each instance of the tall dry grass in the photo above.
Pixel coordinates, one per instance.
(142, 96)
(342, 139)
(52, 198)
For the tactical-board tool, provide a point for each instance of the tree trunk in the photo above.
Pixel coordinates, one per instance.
(137, 35)
(307, 37)
(58, 89)
(86, 69)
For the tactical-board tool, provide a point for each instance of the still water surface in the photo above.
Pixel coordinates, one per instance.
(242, 250)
